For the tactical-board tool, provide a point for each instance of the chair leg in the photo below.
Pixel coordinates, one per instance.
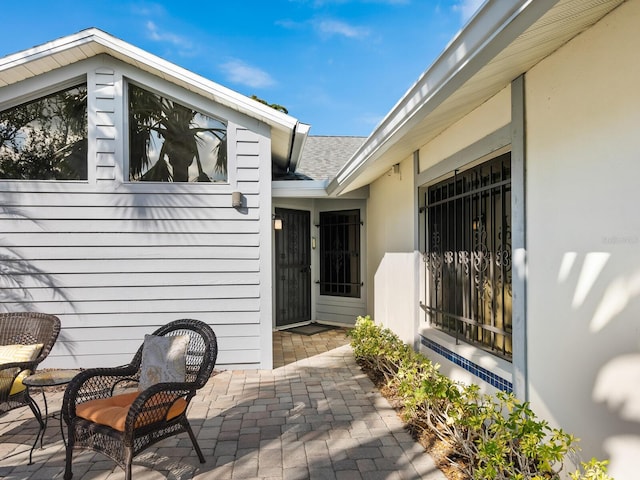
(69, 453)
(128, 460)
(194, 441)
(38, 414)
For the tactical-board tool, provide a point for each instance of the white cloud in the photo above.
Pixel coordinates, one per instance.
(289, 24)
(240, 72)
(330, 28)
(327, 27)
(167, 37)
(321, 3)
(148, 10)
(467, 8)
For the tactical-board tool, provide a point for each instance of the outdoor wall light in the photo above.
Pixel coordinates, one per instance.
(277, 222)
(236, 199)
(477, 223)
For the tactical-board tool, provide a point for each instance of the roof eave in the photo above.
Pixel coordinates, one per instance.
(312, 189)
(491, 30)
(299, 189)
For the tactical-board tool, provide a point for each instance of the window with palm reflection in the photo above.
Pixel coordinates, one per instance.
(46, 139)
(169, 142)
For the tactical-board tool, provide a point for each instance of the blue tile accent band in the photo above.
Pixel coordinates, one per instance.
(480, 372)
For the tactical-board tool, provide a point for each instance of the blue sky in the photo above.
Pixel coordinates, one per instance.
(339, 65)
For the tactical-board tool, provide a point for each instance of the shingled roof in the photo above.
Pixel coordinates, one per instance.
(323, 156)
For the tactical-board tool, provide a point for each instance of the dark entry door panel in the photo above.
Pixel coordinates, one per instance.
(293, 267)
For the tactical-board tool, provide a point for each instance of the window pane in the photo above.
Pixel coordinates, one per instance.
(169, 142)
(340, 253)
(46, 139)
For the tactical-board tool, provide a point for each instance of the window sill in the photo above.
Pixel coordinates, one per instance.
(472, 359)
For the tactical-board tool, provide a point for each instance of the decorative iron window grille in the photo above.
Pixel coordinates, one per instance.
(339, 233)
(468, 258)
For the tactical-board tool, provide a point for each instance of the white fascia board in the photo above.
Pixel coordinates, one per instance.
(488, 32)
(300, 135)
(299, 188)
(61, 44)
(106, 43)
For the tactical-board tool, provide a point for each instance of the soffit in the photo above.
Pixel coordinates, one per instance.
(549, 32)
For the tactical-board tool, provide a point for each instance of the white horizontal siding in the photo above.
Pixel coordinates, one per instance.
(132, 293)
(179, 306)
(52, 239)
(152, 320)
(137, 225)
(116, 260)
(102, 279)
(43, 194)
(133, 252)
(80, 334)
(69, 267)
(343, 310)
(168, 265)
(97, 346)
(73, 212)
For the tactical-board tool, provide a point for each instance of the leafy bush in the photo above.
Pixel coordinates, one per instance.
(497, 437)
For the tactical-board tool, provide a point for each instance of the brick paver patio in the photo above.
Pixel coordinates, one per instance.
(312, 418)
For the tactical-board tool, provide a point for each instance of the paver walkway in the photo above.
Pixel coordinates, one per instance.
(315, 418)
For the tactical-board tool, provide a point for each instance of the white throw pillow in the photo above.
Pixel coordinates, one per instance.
(18, 353)
(163, 360)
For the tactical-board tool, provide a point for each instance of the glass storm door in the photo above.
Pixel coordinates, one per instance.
(293, 267)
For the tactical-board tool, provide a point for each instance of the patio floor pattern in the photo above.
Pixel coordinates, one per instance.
(315, 416)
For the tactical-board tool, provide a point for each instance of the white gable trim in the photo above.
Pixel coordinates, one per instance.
(287, 134)
(91, 42)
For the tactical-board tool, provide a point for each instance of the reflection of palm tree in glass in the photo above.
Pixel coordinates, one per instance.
(181, 132)
(46, 139)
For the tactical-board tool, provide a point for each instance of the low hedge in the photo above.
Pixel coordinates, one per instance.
(493, 437)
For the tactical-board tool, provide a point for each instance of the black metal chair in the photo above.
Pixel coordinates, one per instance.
(150, 415)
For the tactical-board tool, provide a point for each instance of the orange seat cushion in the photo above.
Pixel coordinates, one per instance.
(112, 411)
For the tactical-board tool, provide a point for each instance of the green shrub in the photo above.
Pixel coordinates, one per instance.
(497, 436)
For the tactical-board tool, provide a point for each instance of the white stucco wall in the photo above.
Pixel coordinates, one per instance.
(583, 236)
(397, 293)
(484, 120)
(391, 227)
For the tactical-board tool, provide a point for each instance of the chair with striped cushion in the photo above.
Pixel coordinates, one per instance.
(26, 339)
